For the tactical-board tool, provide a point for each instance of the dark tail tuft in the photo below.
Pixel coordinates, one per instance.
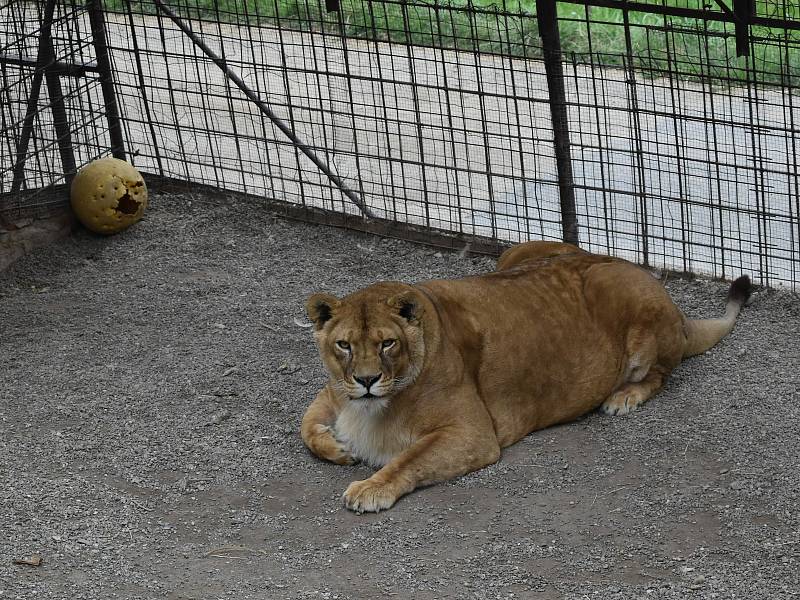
(701, 334)
(740, 290)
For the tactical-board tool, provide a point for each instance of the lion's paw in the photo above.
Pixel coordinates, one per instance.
(369, 496)
(326, 446)
(621, 402)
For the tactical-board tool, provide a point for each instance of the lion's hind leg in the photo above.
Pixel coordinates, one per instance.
(643, 376)
(632, 394)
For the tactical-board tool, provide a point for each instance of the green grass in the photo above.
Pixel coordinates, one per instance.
(682, 47)
(659, 45)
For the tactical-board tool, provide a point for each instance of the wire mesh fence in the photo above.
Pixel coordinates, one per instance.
(676, 151)
(684, 152)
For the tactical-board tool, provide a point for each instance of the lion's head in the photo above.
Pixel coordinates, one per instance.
(371, 342)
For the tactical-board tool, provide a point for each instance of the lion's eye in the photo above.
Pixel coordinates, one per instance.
(386, 344)
(343, 345)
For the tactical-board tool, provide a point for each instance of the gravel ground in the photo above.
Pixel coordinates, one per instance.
(150, 401)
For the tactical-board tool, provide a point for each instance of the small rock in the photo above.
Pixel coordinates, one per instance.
(438, 255)
(34, 560)
(738, 485)
(698, 580)
(218, 417)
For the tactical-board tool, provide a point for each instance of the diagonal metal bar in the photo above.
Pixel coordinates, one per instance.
(264, 108)
(726, 10)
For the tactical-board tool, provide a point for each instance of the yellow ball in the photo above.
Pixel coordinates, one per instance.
(108, 195)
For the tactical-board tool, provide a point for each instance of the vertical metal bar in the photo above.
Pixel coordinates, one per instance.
(229, 95)
(98, 24)
(598, 121)
(518, 120)
(349, 83)
(551, 42)
(290, 104)
(426, 198)
(61, 124)
(637, 134)
(270, 181)
(390, 151)
(713, 153)
(137, 55)
(754, 101)
(792, 150)
(679, 133)
(743, 10)
(56, 96)
(480, 93)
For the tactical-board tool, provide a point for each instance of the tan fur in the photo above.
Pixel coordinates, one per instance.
(480, 362)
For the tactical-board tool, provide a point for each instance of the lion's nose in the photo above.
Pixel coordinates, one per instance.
(368, 380)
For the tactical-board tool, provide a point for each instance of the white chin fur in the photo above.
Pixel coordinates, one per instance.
(371, 405)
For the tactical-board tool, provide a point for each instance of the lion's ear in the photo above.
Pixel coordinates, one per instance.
(320, 307)
(408, 305)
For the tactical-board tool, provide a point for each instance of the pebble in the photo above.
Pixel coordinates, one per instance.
(219, 416)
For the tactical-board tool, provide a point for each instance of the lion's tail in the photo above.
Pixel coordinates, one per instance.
(702, 334)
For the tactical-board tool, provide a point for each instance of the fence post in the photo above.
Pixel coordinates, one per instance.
(98, 24)
(551, 44)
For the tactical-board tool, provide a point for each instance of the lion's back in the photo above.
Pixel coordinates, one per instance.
(541, 344)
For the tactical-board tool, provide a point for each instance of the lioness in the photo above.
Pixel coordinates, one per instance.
(430, 381)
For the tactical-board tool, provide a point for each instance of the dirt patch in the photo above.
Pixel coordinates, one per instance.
(20, 236)
(152, 388)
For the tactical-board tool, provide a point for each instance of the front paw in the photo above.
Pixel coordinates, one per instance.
(370, 496)
(325, 445)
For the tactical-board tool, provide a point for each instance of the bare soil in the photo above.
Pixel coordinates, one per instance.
(151, 390)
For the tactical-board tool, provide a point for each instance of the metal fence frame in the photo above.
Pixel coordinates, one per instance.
(743, 15)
